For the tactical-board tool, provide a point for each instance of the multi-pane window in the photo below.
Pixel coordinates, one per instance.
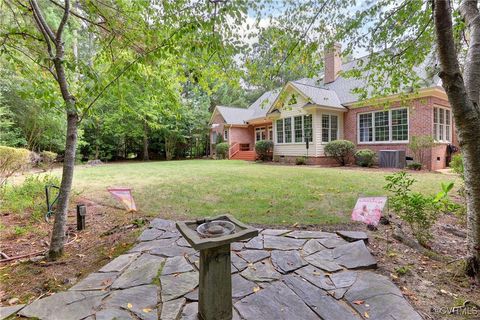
(366, 127)
(442, 123)
(307, 128)
(383, 126)
(270, 133)
(295, 129)
(260, 134)
(382, 129)
(329, 127)
(298, 128)
(288, 129)
(280, 131)
(399, 125)
(225, 134)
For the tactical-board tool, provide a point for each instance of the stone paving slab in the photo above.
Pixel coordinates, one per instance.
(280, 274)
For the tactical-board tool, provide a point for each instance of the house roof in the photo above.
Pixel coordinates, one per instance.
(320, 96)
(233, 115)
(336, 94)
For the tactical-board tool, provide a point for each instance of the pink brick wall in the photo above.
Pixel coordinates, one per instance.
(242, 135)
(420, 124)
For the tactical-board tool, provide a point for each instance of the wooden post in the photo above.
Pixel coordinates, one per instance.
(215, 287)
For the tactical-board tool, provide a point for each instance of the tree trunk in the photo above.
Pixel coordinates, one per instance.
(59, 226)
(145, 141)
(463, 97)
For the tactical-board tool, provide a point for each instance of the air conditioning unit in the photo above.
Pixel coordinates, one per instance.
(392, 159)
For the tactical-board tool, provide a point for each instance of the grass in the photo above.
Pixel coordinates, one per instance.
(252, 192)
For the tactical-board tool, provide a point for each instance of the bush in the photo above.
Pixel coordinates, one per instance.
(222, 150)
(457, 164)
(420, 145)
(365, 157)
(420, 212)
(300, 161)
(340, 150)
(415, 166)
(264, 149)
(28, 197)
(12, 160)
(47, 160)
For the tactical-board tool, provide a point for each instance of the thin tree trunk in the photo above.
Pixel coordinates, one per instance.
(463, 97)
(59, 226)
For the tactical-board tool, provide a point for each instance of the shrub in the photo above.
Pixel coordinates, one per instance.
(415, 166)
(47, 160)
(340, 150)
(28, 197)
(420, 212)
(12, 160)
(420, 145)
(222, 150)
(300, 161)
(457, 164)
(264, 149)
(365, 157)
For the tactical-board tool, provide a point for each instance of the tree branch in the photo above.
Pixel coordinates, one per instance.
(61, 26)
(98, 24)
(41, 20)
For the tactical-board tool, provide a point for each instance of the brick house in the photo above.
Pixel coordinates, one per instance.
(324, 109)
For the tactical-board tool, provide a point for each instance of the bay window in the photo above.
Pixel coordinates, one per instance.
(383, 126)
(296, 129)
(442, 124)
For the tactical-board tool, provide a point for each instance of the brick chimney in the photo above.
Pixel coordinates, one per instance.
(333, 63)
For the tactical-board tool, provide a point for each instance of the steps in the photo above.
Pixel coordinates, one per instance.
(245, 155)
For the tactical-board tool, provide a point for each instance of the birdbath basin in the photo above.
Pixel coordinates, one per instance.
(212, 237)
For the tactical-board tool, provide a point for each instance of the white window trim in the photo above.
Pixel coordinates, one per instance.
(226, 134)
(444, 125)
(390, 141)
(329, 126)
(261, 129)
(292, 120)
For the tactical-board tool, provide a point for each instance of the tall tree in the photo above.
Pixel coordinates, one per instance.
(463, 90)
(121, 32)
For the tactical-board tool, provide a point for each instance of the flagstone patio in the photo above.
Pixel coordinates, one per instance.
(280, 274)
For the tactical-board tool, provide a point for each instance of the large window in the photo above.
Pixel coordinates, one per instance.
(383, 126)
(280, 131)
(298, 127)
(442, 124)
(294, 129)
(329, 127)
(400, 125)
(288, 129)
(382, 130)
(260, 134)
(307, 128)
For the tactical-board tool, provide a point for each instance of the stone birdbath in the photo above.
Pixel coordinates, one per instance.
(212, 237)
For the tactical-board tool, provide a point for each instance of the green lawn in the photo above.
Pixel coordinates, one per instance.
(252, 192)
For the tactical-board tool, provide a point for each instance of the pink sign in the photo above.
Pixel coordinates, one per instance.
(124, 195)
(369, 209)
